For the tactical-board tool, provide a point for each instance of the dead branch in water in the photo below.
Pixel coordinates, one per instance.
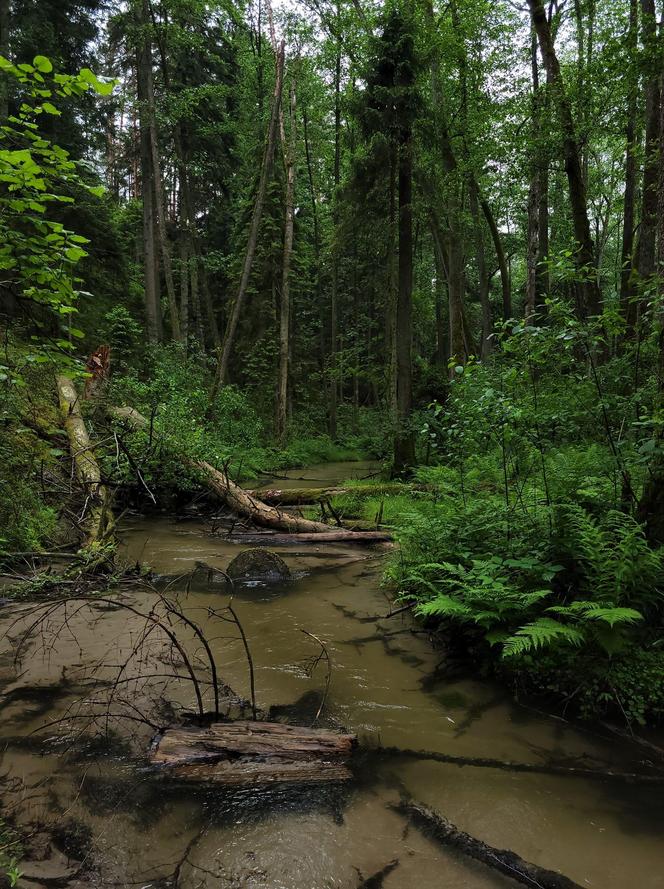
(528, 767)
(324, 655)
(503, 860)
(250, 660)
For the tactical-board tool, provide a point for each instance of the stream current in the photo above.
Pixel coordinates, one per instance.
(384, 686)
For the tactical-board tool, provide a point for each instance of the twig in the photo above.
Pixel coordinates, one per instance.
(328, 679)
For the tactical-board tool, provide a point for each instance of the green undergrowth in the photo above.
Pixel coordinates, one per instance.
(229, 433)
(31, 446)
(546, 577)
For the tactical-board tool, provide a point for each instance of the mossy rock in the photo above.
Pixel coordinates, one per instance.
(258, 564)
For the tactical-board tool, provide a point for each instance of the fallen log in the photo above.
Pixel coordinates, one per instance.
(508, 766)
(341, 535)
(304, 496)
(235, 497)
(503, 860)
(245, 753)
(98, 523)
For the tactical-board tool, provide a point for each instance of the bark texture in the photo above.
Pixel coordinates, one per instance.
(221, 373)
(98, 522)
(589, 302)
(249, 753)
(503, 860)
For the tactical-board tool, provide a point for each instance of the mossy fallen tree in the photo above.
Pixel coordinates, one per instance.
(307, 496)
(98, 522)
(502, 860)
(248, 506)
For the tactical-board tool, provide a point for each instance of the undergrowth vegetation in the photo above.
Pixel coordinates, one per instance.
(175, 397)
(530, 545)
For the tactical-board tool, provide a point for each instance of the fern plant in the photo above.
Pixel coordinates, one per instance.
(492, 593)
(588, 623)
(610, 560)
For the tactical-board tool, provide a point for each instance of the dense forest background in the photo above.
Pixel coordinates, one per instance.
(426, 232)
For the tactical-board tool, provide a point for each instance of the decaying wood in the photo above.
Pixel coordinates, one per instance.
(340, 535)
(302, 496)
(244, 504)
(98, 520)
(532, 767)
(503, 860)
(247, 752)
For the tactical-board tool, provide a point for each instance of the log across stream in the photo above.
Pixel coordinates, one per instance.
(384, 687)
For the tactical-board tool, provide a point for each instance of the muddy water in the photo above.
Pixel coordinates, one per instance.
(384, 687)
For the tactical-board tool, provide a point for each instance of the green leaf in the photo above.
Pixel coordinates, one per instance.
(42, 64)
(50, 109)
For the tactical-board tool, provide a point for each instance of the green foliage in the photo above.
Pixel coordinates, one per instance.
(10, 853)
(26, 522)
(529, 542)
(38, 254)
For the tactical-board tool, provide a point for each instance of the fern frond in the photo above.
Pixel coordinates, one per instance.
(541, 633)
(442, 606)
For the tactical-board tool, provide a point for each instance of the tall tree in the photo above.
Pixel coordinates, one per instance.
(589, 302)
(221, 373)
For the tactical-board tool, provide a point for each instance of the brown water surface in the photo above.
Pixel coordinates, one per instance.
(601, 833)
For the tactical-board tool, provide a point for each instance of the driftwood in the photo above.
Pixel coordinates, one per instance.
(98, 523)
(503, 860)
(247, 752)
(303, 496)
(242, 502)
(532, 767)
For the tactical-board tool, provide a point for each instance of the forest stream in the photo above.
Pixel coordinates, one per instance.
(384, 686)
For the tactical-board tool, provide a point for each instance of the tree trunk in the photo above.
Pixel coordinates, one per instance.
(150, 266)
(5, 25)
(629, 212)
(532, 248)
(483, 274)
(534, 197)
(285, 303)
(590, 298)
(148, 111)
(98, 523)
(221, 373)
(404, 441)
(649, 198)
(162, 232)
(334, 296)
(184, 285)
(505, 279)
